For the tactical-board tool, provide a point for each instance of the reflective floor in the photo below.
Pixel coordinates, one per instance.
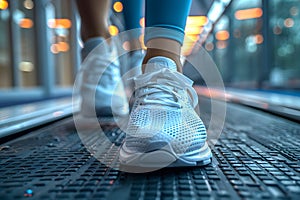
(256, 157)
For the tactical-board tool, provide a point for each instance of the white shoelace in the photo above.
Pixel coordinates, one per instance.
(160, 87)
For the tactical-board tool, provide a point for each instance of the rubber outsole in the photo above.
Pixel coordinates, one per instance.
(162, 158)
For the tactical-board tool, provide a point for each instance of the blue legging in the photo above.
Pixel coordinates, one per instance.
(167, 14)
(133, 12)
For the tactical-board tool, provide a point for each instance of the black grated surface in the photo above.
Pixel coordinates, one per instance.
(257, 157)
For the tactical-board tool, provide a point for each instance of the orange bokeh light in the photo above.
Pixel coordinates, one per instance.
(142, 22)
(63, 46)
(3, 5)
(196, 21)
(222, 35)
(26, 23)
(59, 47)
(191, 38)
(259, 39)
(113, 30)
(192, 30)
(142, 42)
(118, 6)
(59, 23)
(189, 43)
(187, 48)
(248, 13)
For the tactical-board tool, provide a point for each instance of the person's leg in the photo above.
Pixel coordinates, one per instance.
(94, 17)
(164, 129)
(133, 12)
(101, 90)
(170, 15)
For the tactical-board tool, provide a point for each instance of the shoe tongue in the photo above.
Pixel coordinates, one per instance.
(158, 63)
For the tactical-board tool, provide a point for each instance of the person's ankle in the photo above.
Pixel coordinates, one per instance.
(159, 52)
(86, 35)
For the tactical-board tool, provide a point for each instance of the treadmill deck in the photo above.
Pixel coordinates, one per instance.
(256, 157)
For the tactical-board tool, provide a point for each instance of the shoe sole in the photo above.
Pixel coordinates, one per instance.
(165, 157)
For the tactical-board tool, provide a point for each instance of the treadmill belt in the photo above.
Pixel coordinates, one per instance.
(256, 157)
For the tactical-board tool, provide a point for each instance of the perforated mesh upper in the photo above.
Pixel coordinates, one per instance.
(165, 116)
(182, 128)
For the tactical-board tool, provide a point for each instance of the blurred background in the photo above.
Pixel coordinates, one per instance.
(255, 44)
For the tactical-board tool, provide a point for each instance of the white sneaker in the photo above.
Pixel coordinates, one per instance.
(134, 62)
(164, 129)
(102, 90)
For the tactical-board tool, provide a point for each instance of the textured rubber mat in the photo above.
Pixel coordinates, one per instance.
(256, 157)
